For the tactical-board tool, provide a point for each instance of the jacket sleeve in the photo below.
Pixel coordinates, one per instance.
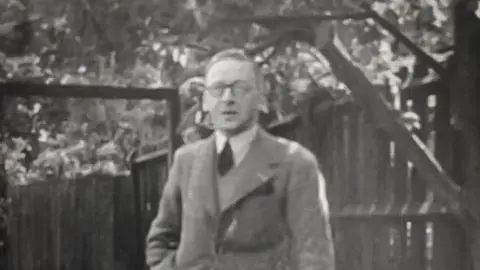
(308, 218)
(164, 235)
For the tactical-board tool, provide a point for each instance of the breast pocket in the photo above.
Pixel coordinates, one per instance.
(263, 207)
(258, 220)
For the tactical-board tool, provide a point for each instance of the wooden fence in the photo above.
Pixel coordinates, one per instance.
(384, 216)
(90, 223)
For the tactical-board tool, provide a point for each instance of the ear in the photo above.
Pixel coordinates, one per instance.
(208, 101)
(262, 104)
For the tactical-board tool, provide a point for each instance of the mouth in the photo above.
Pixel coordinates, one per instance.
(229, 113)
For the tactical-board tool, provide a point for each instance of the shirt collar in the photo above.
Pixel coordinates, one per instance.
(238, 141)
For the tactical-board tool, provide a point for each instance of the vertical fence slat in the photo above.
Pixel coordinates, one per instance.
(416, 249)
(399, 173)
(382, 249)
(385, 189)
(351, 245)
(335, 180)
(328, 161)
(29, 233)
(107, 213)
(14, 231)
(450, 248)
(139, 170)
(42, 219)
(367, 184)
(69, 234)
(55, 228)
(416, 257)
(125, 233)
(349, 150)
(342, 234)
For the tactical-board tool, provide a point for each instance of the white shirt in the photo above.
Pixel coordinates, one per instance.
(240, 143)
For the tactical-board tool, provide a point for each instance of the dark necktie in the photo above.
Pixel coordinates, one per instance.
(225, 159)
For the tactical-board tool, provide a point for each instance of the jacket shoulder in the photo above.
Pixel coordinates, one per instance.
(188, 150)
(296, 152)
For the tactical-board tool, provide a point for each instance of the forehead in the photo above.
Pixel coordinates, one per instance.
(230, 70)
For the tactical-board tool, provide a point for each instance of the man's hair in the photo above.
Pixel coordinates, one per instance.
(239, 55)
(229, 54)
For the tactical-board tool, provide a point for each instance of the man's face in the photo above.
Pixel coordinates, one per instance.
(233, 86)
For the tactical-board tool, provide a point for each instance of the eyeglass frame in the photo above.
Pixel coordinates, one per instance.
(234, 87)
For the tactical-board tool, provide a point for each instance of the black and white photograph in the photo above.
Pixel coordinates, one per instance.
(239, 135)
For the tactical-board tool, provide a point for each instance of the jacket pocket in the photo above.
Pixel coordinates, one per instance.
(257, 222)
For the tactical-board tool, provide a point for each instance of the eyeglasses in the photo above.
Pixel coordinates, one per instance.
(239, 89)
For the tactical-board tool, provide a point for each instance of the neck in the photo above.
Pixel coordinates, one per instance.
(237, 131)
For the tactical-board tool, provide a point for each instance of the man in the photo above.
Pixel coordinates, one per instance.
(241, 198)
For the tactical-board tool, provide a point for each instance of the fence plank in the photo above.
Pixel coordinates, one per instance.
(125, 220)
(327, 163)
(336, 182)
(14, 231)
(384, 249)
(65, 225)
(450, 248)
(55, 228)
(416, 249)
(382, 246)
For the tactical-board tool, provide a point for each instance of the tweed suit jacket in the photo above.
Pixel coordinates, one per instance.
(276, 219)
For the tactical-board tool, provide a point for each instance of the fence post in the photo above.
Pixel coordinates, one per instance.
(173, 120)
(173, 105)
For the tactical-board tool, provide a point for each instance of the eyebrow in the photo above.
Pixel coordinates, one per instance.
(233, 82)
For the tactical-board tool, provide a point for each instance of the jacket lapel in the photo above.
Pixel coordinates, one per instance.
(202, 190)
(261, 162)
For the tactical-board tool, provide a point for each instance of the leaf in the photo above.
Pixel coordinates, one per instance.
(108, 149)
(138, 50)
(300, 84)
(193, 87)
(411, 120)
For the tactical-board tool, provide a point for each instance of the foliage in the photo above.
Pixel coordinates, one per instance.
(49, 137)
(166, 43)
(296, 71)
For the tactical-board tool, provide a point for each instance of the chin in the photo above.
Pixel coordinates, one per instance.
(234, 128)
(230, 127)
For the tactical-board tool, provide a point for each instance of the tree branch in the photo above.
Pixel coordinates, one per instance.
(267, 43)
(390, 122)
(269, 21)
(424, 57)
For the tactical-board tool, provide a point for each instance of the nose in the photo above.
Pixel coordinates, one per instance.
(227, 95)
